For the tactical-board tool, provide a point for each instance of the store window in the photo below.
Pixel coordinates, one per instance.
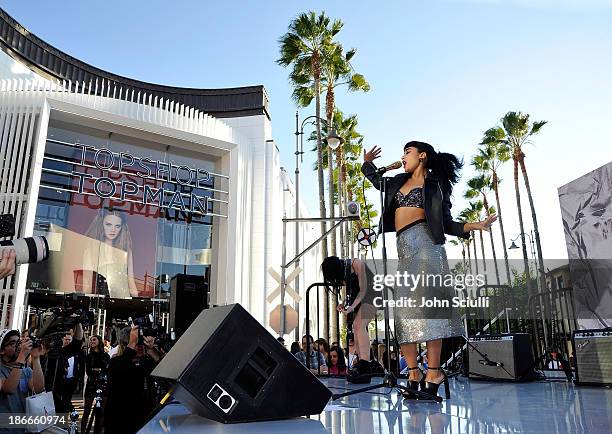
(122, 216)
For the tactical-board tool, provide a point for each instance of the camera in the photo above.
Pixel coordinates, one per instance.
(27, 250)
(148, 328)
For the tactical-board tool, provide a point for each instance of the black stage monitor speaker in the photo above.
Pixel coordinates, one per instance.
(505, 357)
(228, 368)
(593, 355)
(188, 297)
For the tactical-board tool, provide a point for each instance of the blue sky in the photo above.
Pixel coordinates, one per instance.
(441, 71)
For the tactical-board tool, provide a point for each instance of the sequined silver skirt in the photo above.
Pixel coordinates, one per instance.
(419, 255)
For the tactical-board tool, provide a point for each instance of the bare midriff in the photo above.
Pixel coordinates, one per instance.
(405, 215)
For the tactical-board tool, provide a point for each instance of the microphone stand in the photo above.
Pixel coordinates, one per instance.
(389, 379)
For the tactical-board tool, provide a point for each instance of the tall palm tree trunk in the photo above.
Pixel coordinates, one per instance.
(530, 291)
(542, 276)
(484, 261)
(501, 227)
(469, 254)
(317, 76)
(475, 252)
(486, 206)
(329, 112)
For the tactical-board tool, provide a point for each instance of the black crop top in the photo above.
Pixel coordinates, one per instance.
(414, 198)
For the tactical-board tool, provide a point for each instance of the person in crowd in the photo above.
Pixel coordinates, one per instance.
(7, 263)
(394, 361)
(107, 344)
(71, 373)
(131, 389)
(316, 358)
(322, 346)
(336, 363)
(96, 367)
(295, 348)
(58, 366)
(281, 340)
(354, 276)
(17, 380)
(418, 204)
(113, 259)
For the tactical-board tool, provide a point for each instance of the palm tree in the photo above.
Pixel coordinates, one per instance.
(463, 242)
(489, 160)
(338, 71)
(305, 47)
(349, 173)
(478, 186)
(468, 216)
(352, 147)
(515, 132)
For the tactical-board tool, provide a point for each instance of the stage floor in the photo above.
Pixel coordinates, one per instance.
(474, 407)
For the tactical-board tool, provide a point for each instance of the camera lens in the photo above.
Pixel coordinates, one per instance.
(215, 393)
(225, 402)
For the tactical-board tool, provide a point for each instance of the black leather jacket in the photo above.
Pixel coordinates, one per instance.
(437, 205)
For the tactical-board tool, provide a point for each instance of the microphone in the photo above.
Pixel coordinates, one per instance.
(391, 166)
(490, 363)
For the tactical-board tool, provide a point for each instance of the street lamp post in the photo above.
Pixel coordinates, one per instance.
(533, 255)
(333, 140)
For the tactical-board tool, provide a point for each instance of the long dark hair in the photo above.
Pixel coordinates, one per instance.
(333, 270)
(341, 361)
(100, 345)
(444, 166)
(295, 347)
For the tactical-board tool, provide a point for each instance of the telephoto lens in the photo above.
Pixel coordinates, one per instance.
(27, 250)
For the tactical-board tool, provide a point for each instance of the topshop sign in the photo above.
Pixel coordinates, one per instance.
(139, 180)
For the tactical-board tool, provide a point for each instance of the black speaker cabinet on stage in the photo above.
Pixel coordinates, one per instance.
(188, 297)
(508, 357)
(593, 355)
(228, 368)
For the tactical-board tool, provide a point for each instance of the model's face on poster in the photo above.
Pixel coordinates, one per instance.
(112, 227)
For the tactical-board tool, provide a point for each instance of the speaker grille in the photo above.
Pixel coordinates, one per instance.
(594, 359)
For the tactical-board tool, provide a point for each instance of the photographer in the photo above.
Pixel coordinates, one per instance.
(16, 380)
(7, 263)
(57, 368)
(96, 366)
(131, 390)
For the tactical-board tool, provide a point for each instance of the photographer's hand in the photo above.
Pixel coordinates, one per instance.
(37, 382)
(149, 342)
(7, 263)
(25, 347)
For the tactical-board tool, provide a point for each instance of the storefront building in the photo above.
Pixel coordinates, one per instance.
(133, 183)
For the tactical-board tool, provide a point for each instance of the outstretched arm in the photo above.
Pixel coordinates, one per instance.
(368, 168)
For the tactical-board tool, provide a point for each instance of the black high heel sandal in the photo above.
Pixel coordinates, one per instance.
(413, 386)
(432, 388)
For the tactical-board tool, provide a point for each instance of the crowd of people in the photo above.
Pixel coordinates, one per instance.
(118, 391)
(334, 360)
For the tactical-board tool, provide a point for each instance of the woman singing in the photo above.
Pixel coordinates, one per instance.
(417, 208)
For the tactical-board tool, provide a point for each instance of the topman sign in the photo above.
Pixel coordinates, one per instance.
(140, 180)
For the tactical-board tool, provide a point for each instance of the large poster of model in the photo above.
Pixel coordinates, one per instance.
(586, 209)
(120, 217)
